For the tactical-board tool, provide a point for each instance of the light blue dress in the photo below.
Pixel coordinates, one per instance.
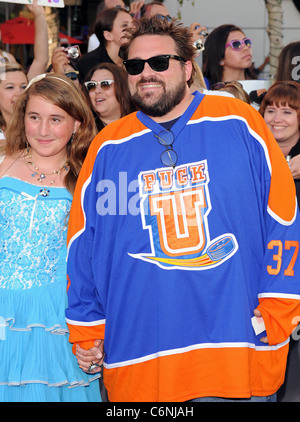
(36, 359)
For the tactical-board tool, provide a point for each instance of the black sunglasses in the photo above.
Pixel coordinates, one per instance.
(157, 63)
(168, 157)
(73, 75)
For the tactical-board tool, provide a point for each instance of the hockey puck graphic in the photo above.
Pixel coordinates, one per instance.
(221, 248)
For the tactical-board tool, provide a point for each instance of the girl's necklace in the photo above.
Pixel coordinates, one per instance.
(41, 176)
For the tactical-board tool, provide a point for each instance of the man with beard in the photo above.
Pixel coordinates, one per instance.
(183, 240)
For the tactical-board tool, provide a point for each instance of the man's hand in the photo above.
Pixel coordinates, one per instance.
(258, 314)
(94, 355)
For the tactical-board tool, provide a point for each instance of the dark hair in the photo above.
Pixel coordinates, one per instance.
(105, 22)
(214, 52)
(121, 89)
(285, 93)
(285, 64)
(101, 6)
(157, 26)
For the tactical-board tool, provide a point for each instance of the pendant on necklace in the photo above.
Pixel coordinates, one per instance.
(42, 177)
(44, 192)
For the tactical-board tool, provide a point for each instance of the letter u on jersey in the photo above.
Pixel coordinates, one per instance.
(176, 218)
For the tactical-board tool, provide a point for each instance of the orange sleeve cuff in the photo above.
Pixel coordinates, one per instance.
(84, 344)
(85, 336)
(278, 315)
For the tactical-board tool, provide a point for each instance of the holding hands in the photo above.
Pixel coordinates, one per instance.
(90, 360)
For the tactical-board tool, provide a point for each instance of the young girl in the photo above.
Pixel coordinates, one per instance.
(46, 144)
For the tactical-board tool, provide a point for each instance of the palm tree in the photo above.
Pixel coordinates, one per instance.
(274, 30)
(52, 17)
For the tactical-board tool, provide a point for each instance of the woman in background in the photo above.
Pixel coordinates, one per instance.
(227, 56)
(108, 93)
(110, 31)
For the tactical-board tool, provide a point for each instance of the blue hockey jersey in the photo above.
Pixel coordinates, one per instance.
(168, 264)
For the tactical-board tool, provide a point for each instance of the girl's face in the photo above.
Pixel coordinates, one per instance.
(10, 88)
(237, 59)
(104, 100)
(283, 123)
(48, 128)
(122, 21)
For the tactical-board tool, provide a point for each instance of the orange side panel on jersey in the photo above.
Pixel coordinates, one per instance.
(282, 198)
(223, 372)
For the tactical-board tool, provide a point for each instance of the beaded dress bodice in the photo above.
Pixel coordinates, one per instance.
(33, 229)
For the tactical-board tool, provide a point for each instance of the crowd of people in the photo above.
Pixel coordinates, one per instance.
(149, 217)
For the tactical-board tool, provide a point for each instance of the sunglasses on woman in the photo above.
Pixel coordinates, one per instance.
(157, 63)
(237, 44)
(104, 85)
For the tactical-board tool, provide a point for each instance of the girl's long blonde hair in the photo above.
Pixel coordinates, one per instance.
(60, 91)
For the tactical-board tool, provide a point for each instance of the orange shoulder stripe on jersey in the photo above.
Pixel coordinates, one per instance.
(115, 131)
(282, 197)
